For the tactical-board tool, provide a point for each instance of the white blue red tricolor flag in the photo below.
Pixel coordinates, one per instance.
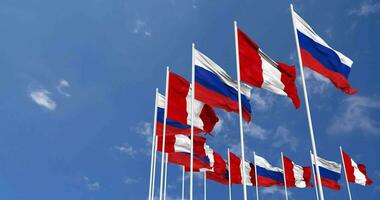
(267, 175)
(317, 55)
(330, 172)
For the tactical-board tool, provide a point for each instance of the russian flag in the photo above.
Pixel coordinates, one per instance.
(296, 176)
(317, 55)
(172, 127)
(179, 105)
(330, 172)
(259, 70)
(267, 175)
(217, 89)
(236, 170)
(356, 173)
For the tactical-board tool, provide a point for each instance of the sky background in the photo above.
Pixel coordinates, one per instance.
(77, 86)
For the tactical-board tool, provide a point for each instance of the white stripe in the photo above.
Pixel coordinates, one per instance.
(198, 106)
(261, 162)
(298, 176)
(306, 29)
(247, 172)
(330, 165)
(182, 143)
(359, 176)
(271, 75)
(210, 156)
(161, 101)
(206, 63)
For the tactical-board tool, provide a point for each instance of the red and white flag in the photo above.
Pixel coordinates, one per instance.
(259, 70)
(181, 143)
(236, 167)
(296, 176)
(356, 173)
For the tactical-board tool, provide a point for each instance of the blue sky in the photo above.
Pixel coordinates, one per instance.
(77, 88)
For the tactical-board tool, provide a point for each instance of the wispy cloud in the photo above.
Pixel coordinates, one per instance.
(274, 190)
(140, 27)
(256, 131)
(61, 86)
(91, 185)
(145, 129)
(42, 98)
(366, 8)
(262, 101)
(219, 126)
(283, 137)
(356, 115)
(126, 149)
(316, 83)
(130, 180)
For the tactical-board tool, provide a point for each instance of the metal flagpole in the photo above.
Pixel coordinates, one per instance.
(315, 178)
(204, 186)
(345, 173)
(166, 175)
(183, 182)
(192, 120)
(154, 165)
(314, 148)
(256, 179)
(164, 132)
(153, 146)
(283, 169)
(229, 175)
(240, 109)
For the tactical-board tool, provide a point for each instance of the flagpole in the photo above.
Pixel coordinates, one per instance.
(166, 175)
(183, 182)
(204, 186)
(283, 168)
(153, 146)
(192, 121)
(229, 175)
(315, 178)
(240, 107)
(314, 148)
(256, 179)
(164, 132)
(345, 172)
(154, 165)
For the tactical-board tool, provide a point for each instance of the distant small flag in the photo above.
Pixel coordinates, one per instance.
(217, 89)
(236, 171)
(356, 173)
(259, 70)
(296, 176)
(317, 55)
(267, 175)
(179, 105)
(329, 171)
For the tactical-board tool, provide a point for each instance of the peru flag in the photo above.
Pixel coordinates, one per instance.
(181, 143)
(296, 176)
(200, 163)
(179, 105)
(172, 127)
(267, 175)
(219, 171)
(356, 173)
(329, 171)
(236, 168)
(217, 89)
(259, 70)
(317, 55)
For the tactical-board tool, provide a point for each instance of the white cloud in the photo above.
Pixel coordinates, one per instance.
(60, 87)
(130, 180)
(283, 137)
(126, 149)
(315, 82)
(145, 129)
(262, 101)
(91, 185)
(356, 115)
(365, 9)
(219, 126)
(274, 190)
(141, 27)
(41, 97)
(256, 131)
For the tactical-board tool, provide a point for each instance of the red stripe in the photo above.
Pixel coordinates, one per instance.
(288, 78)
(307, 176)
(337, 79)
(209, 118)
(267, 182)
(363, 170)
(330, 184)
(184, 160)
(217, 100)
(289, 173)
(252, 174)
(349, 168)
(236, 176)
(178, 90)
(219, 178)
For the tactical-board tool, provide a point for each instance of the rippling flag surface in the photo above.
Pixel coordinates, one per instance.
(267, 175)
(296, 176)
(356, 173)
(329, 171)
(259, 70)
(236, 167)
(216, 88)
(317, 55)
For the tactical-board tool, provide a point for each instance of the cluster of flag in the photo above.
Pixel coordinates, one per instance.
(188, 109)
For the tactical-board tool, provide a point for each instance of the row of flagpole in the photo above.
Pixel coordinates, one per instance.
(163, 177)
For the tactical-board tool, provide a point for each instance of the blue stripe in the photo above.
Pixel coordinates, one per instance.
(277, 176)
(329, 174)
(212, 82)
(326, 56)
(169, 122)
